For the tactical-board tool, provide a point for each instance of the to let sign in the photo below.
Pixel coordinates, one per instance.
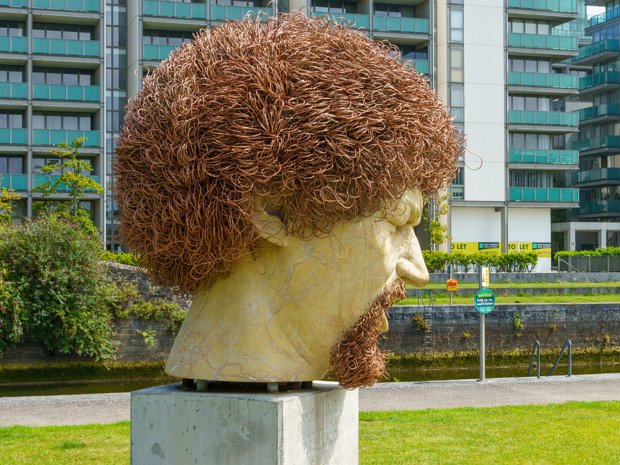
(484, 301)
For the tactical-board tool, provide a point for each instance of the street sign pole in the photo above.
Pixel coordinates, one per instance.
(482, 349)
(483, 306)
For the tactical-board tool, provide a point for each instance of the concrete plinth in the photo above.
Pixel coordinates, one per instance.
(310, 427)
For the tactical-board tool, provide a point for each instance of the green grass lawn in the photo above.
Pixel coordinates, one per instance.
(525, 285)
(518, 299)
(571, 433)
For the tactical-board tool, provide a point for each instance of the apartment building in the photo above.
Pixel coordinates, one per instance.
(493, 62)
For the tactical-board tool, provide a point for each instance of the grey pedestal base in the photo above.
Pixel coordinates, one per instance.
(309, 427)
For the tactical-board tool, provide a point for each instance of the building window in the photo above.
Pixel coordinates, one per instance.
(11, 73)
(40, 162)
(394, 11)
(527, 26)
(456, 24)
(529, 65)
(11, 29)
(334, 6)
(11, 119)
(529, 103)
(457, 64)
(62, 31)
(173, 38)
(62, 121)
(68, 77)
(11, 164)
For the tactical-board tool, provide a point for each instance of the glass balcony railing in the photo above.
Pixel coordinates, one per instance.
(597, 143)
(419, 64)
(13, 44)
(544, 194)
(539, 41)
(60, 92)
(547, 157)
(39, 179)
(596, 48)
(13, 90)
(18, 182)
(597, 79)
(16, 136)
(560, 6)
(409, 25)
(610, 13)
(68, 5)
(553, 80)
(358, 21)
(598, 206)
(602, 174)
(14, 3)
(157, 52)
(458, 192)
(230, 12)
(175, 9)
(55, 136)
(543, 118)
(598, 111)
(81, 48)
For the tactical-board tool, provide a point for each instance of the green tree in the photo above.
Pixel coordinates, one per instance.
(7, 196)
(435, 209)
(71, 178)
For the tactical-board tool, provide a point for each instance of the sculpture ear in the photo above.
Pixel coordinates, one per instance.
(268, 223)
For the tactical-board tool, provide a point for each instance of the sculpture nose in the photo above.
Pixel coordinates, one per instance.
(410, 266)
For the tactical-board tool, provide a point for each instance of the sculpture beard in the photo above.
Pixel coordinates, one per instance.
(357, 361)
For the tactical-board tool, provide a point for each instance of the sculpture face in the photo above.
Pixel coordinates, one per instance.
(280, 315)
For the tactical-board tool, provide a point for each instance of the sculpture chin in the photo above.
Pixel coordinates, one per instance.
(356, 360)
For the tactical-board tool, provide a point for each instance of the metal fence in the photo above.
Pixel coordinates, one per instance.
(590, 264)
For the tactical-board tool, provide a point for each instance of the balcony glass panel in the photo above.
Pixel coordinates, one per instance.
(549, 157)
(600, 206)
(14, 3)
(13, 90)
(544, 194)
(602, 174)
(612, 109)
(601, 46)
(554, 80)
(60, 92)
(540, 41)
(411, 25)
(55, 136)
(16, 182)
(17, 136)
(229, 12)
(597, 79)
(610, 13)
(39, 179)
(13, 44)
(68, 5)
(357, 21)
(597, 143)
(85, 48)
(561, 6)
(157, 52)
(543, 118)
(175, 9)
(419, 64)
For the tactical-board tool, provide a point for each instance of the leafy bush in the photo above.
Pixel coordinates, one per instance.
(438, 262)
(10, 314)
(120, 257)
(53, 263)
(589, 253)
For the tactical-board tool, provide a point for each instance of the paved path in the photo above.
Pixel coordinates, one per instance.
(109, 408)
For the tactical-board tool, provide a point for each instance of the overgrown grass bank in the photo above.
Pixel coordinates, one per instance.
(556, 434)
(441, 298)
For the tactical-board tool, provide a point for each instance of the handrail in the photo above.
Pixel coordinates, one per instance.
(570, 265)
(567, 344)
(535, 348)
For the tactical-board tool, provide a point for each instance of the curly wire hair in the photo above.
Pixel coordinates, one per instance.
(321, 120)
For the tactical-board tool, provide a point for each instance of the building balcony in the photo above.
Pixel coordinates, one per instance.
(599, 112)
(598, 208)
(66, 93)
(610, 14)
(544, 194)
(543, 45)
(600, 177)
(16, 136)
(597, 51)
(14, 44)
(419, 64)
(68, 5)
(39, 179)
(564, 83)
(598, 144)
(67, 47)
(544, 157)
(14, 90)
(14, 3)
(600, 81)
(230, 12)
(178, 10)
(400, 25)
(554, 7)
(543, 118)
(52, 137)
(358, 21)
(17, 182)
(157, 52)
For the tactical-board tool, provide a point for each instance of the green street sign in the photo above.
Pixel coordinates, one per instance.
(484, 301)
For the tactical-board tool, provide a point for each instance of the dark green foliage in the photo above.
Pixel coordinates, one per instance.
(438, 262)
(121, 257)
(590, 253)
(10, 314)
(53, 263)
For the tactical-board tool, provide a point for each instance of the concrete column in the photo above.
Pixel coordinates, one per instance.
(572, 241)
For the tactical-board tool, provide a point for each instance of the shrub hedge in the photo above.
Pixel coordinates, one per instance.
(589, 253)
(437, 262)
